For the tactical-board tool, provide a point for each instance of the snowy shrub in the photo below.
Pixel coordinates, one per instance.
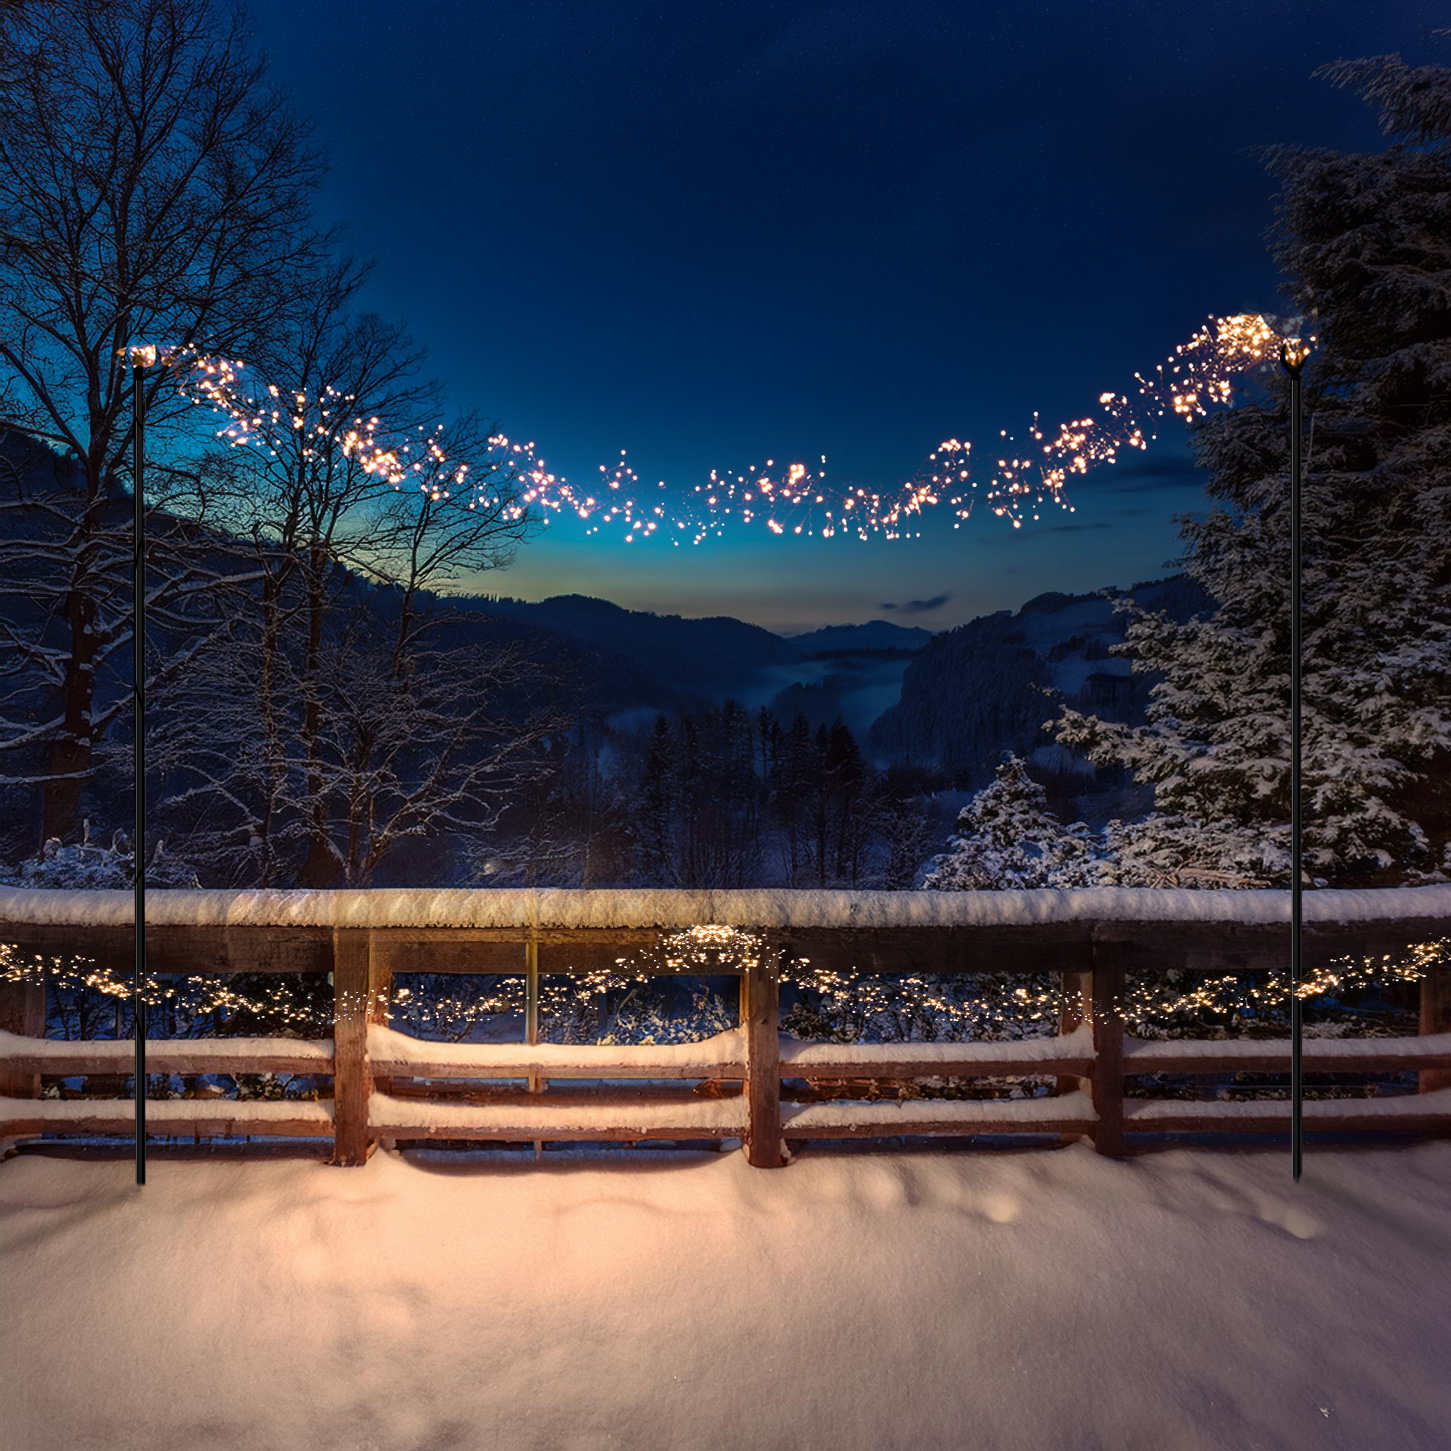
(87, 865)
(619, 1007)
(656, 1015)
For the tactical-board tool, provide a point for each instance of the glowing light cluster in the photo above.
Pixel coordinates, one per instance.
(701, 951)
(786, 498)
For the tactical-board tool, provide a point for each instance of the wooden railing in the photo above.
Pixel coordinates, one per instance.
(388, 1087)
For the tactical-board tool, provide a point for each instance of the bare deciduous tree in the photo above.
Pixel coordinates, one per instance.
(352, 709)
(153, 188)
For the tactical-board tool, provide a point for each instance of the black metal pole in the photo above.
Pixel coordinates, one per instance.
(138, 718)
(1293, 364)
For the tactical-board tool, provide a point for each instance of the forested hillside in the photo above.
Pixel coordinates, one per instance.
(989, 686)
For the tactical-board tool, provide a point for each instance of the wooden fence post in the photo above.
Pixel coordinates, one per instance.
(380, 996)
(22, 1010)
(761, 1020)
(1435, 1018)
(1108, 1047)
(537, 1083)
(1077, 1009)
(352, 1077)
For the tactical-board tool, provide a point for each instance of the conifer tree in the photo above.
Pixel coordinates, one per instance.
(657, 810)
(1006, 837)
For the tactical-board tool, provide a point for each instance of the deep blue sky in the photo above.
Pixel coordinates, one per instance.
(713, 233)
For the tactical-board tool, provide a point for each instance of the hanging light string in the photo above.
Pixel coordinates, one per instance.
(972, 1005)
(782, 498)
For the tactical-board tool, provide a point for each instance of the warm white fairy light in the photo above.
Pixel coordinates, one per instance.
(784, 499)
(974, 1006)
(986, 1006)
(198, 996)
(968, 1005)
(700, 952)
(1199, 373)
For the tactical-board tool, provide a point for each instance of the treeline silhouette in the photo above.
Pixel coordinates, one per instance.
(721, 797)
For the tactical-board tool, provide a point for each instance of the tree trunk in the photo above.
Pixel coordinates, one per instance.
(70, 751)
(320, 869)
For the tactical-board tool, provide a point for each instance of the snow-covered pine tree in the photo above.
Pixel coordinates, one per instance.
(1177, 851)
(1365, 243)
(1006, 837)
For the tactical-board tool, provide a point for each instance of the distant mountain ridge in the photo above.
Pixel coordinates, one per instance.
(954, 701)
(874, 635)
(854, 671)
(709, 657)
(988, 687)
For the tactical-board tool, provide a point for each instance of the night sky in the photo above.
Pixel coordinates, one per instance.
(713, 234)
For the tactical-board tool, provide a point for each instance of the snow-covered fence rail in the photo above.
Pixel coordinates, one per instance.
(388, 1086)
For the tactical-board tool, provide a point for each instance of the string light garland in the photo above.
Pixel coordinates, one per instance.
(1015, 1005)
(1017, 1002)
(791, 498)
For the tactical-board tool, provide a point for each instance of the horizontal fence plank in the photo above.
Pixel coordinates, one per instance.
(395, 1054)
(1068, 1054)
(1216, 948)
(598, 1118)
(58, 1058)
(181, 950)
(187, 1117)
(1406, 1113)
(1068, 1113)
(498, 951)
(1320, 1055)
(577, 1093)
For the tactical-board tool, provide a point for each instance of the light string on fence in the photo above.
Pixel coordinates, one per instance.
(1014, 1004)
(1029, 473)
(1018, 1003)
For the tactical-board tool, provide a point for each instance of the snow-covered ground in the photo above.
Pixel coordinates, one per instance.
(1036, 1301)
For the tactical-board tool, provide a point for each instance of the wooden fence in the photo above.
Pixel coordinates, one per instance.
(389, 1087)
